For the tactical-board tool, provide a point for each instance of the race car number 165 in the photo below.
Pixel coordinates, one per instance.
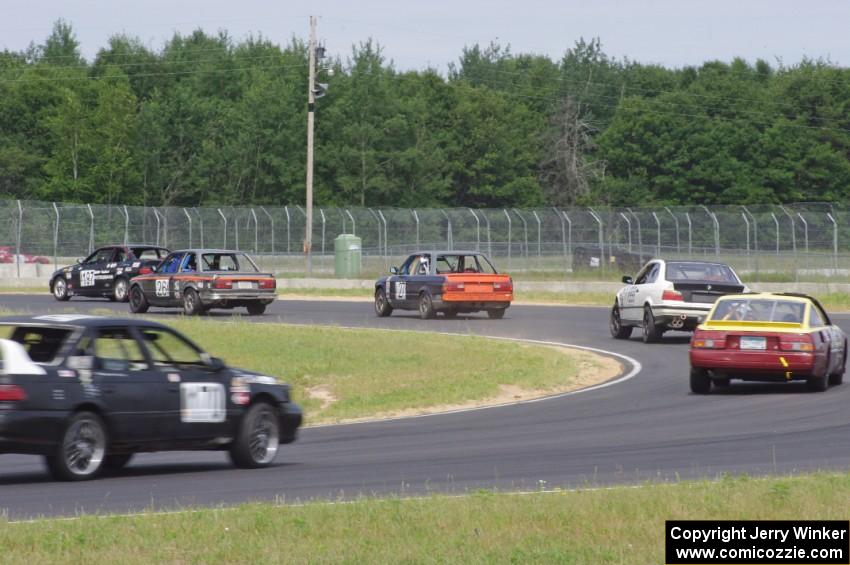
(162, 287)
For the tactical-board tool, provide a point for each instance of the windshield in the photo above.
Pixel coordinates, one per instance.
(461, 263)
(42, 344)
(759, 310)
(681, 271)
(227, 261)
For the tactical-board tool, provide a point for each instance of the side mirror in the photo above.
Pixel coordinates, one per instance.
(627, 279)
(393, 270)
(79, 260)
(215, 364)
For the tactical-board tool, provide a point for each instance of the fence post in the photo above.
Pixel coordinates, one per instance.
(510, 223)
(489, 244)
(188, 217)
(377, 221)
(386, 247)
(793, 239)
(235, 229)
(569, 235)
(18, 236)
(257, 231)
(640, 238)
(224, 231)
(416, 217)
(448, 229)
(286, 209)
(805, 232)
(628, 229)
(56, 237)
(690, 236)
(126, 224)
(201, 222)
(602, 239)
(834, 241)
(776, 223)
(271, 220)
(676, 223)
(525, 232)
(536, 217)
(322, 213)
(657, 234)
(716, 229)
(563, 233)
(755, 238)
(353, 223)
(156, 215)
(91, 229)
(747, 222)
(477, 230)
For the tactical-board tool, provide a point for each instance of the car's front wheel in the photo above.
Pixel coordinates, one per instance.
(700, 381)
(60, 290)
(138, 302)
(382, 305)
(618, 330)
(81, 449)
(258, 438)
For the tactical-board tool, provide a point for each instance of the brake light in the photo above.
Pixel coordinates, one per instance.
(709, 340)
(503, 286)
(267, 283)
(453, 286)
(672, 295)
(222, 283)
(796, 343)
(12, 393)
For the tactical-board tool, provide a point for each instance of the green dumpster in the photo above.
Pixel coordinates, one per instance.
(347, 256)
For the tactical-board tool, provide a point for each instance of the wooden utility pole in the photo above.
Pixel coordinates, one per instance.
(311, 107)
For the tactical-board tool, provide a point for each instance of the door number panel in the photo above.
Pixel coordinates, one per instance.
(202, 403)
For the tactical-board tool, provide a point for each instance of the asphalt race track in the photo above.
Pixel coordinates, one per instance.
(648, 427)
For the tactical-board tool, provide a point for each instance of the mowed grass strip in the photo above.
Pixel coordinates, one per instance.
(341, 374)
(617, 525)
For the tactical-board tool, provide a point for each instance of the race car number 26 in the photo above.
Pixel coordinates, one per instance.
(162, 287)
(202, 402)
(86, 278)
(400, 290)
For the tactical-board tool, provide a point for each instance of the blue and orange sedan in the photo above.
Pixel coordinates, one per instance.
(773, 337)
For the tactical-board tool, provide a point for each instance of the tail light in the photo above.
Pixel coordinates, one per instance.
(788, 342)
(453, 286)
(672, 295)
(267, 283)
(504, 286)
(12, 393)
(222, 283)
(145, 271)
(709, 340)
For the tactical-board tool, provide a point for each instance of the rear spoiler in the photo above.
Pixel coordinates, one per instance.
(751, 324)
(16, 360)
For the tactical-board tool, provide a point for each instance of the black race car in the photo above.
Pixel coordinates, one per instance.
(89, 392)
(106, 272)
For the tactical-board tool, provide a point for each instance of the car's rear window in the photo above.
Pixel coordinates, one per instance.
(148, 253)
(759, 310)
(464, 264)
(681, 271)
(227, 262)
(41, 343)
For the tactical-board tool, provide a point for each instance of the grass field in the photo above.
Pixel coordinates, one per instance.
(616, 525)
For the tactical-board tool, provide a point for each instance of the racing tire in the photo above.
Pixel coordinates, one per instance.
(817, 384)
(138, 302)
(120, 292)
(837, 377)
(116, 461)
(426, 307)
(615, 324)
(258, 438)
(60, 290)
(81, 450)
(721, 383)
(382, 305)
(496, 313)
(256, 308)
(651, 332)
(192, 303)
(450, 314)
(700, 381)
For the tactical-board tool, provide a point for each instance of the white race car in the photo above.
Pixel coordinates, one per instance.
(670, 295)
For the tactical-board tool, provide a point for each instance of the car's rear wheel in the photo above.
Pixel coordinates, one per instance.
(81, 449)
(451, 313)
(496, 313)
(651, 332)
(258, 438)
(119, 291)
(817, 383)
(60, 290)
(192, 303)
(256, 308)
(382, 305)
(700, 381)
(837, 377)
(115, 461)
(138, 302)
(618, 330)
(426, 306)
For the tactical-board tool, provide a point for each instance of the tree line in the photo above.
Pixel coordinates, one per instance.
(210, 120)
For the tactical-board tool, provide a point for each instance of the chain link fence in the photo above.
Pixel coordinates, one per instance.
(807, 241)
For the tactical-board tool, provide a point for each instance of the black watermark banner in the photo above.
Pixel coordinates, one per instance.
(768, 542)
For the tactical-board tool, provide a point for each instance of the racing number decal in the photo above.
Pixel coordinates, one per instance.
(400, 290)
(86, 278)
(162, 287)
(202, 402)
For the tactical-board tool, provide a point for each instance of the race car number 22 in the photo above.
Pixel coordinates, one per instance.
(162, 287)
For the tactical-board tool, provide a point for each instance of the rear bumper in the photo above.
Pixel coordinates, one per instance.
(33, 432)
(756, 365)
(236, 298)
(680, 316)
(467, 306)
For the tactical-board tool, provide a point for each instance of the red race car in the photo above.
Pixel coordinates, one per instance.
(774, 337)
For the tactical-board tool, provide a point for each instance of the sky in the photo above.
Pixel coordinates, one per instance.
(432, 33)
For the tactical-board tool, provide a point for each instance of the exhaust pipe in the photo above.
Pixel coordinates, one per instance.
(677, 323)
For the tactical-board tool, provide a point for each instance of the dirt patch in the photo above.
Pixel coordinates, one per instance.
(593, 369)
(323, 394)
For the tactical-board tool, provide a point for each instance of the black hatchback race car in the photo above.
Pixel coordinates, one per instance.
(106, 272)
(89, 392)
